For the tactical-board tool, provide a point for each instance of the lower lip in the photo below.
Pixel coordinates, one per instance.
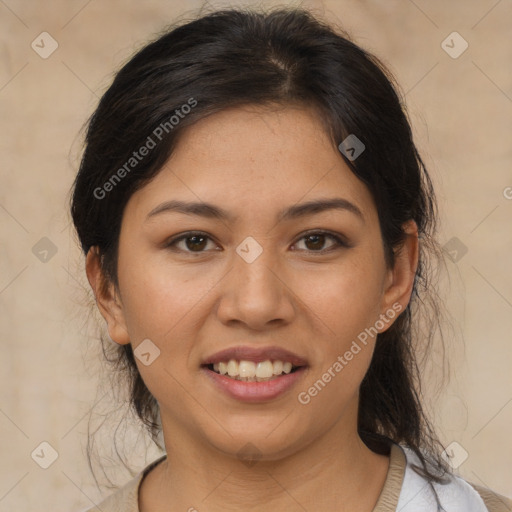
(255, 391)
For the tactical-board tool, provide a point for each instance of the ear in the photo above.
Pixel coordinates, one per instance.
(400, 278)
(107, 298)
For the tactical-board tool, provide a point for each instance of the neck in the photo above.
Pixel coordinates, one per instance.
(336, 472)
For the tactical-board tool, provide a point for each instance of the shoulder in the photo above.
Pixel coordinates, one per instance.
(126, 498)
(456, 494)
(493, 501)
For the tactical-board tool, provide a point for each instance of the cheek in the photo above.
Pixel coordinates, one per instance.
(161, 302)
(348, 307)
(158, 297)
(348, 297)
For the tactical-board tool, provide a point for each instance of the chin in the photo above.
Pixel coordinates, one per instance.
(253, 445)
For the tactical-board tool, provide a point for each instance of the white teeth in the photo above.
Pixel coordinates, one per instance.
(232, 368)
(278, 367)
(265, 369)
(247, 369)
(252, 372)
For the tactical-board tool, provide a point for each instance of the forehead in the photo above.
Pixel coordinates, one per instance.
(250, 159)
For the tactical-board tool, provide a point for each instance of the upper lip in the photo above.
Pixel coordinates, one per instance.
(256, 355)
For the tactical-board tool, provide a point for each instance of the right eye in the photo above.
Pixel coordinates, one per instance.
(194, 242)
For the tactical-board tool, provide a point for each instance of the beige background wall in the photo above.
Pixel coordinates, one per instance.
(461, 109)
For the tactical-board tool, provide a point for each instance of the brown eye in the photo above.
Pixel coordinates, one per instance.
(197, 242)
(193, 242)
(315, 242)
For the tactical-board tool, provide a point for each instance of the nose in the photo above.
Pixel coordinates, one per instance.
(258, 294)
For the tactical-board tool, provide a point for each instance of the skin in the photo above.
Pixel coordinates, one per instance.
(253, 162)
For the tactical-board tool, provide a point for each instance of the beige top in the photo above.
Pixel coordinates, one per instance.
(125, 499)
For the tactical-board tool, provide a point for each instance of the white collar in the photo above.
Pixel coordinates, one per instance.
(417, 494)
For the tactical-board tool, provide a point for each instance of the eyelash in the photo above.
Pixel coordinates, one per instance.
(339, 241)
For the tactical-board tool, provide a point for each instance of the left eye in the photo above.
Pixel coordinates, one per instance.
(315, 241)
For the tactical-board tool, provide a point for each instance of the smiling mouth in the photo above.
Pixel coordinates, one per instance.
(250, 371)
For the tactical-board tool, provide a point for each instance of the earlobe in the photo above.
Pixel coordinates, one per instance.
(107, 300)
(401, 277)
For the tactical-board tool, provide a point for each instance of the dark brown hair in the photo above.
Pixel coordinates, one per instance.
(237, 57)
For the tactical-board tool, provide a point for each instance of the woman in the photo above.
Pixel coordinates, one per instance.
(250, 203)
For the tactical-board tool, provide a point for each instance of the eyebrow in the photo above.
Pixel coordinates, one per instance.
(209, 210)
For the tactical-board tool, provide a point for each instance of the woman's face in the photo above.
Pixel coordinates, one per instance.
(268, 278)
